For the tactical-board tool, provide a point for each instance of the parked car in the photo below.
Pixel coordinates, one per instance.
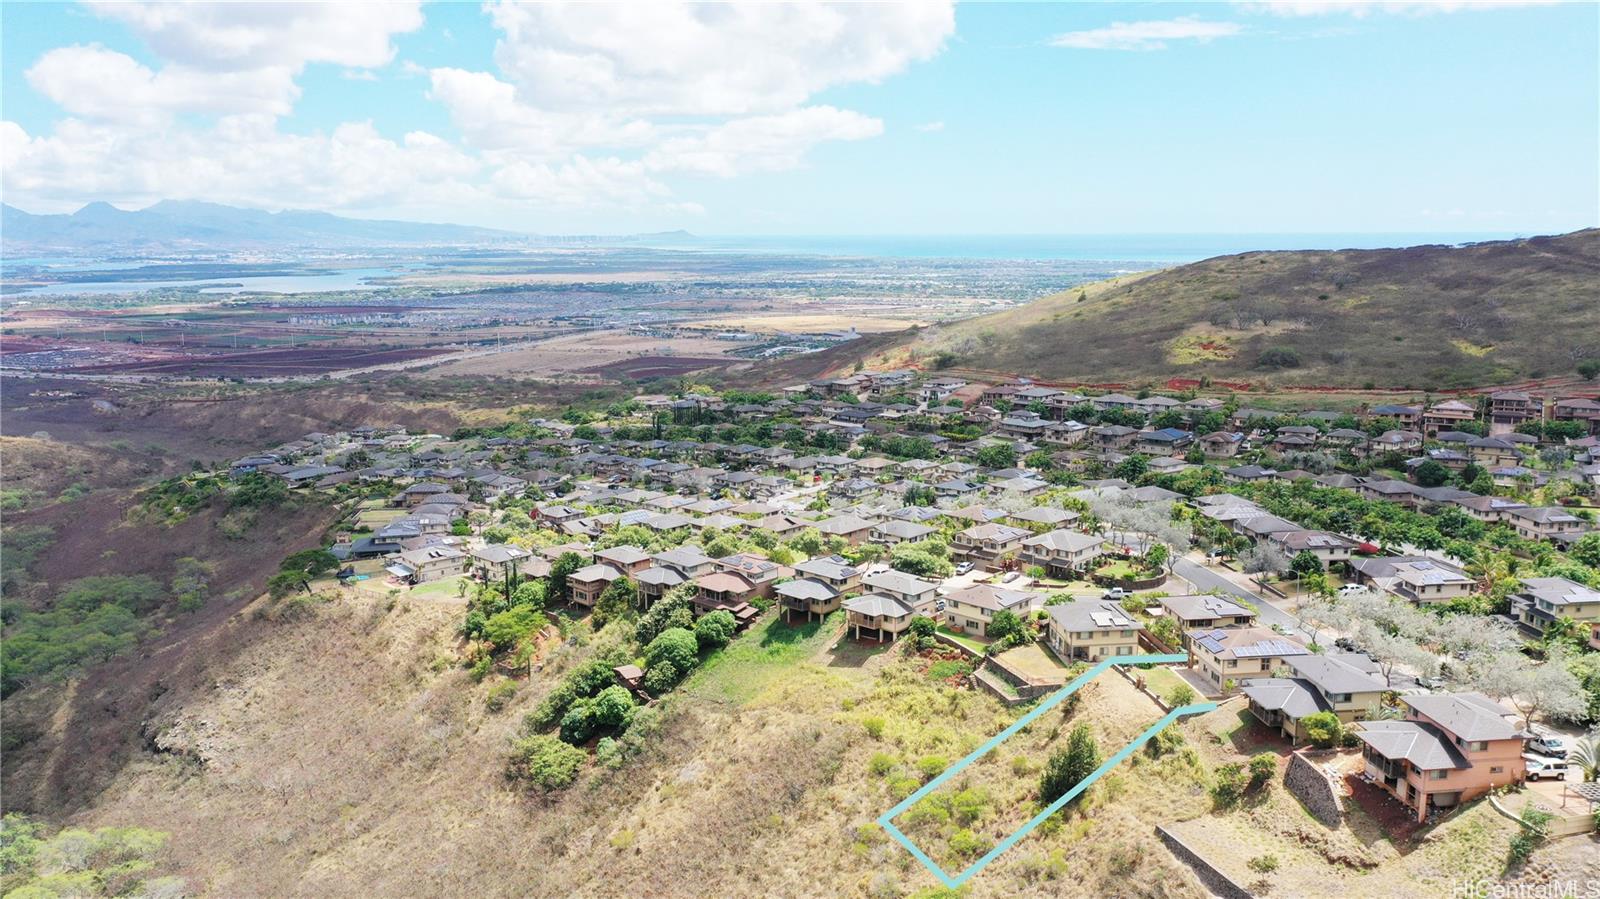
(1116, 593)
(1542, 766)
(1548, 744)
(1432, 683)
(1348, 589)
(963, 568)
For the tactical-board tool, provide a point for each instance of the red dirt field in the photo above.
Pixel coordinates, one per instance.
(268, 363)
(656, 366)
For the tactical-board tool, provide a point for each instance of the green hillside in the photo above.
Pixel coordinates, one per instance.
(1425, 317)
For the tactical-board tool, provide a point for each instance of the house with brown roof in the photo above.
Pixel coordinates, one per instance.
(725, 591)
(1450, 749)
(973, 608)
(1062, 553)
(987, 546)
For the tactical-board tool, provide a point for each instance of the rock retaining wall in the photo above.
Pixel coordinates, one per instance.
(1217, 882)
(1321, 797)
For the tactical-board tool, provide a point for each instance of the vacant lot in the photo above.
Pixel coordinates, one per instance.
(578, 352)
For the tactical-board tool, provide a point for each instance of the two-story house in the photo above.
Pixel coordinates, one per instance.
(1546, 523)
(1543, 600)
(806, 596)
(1205, 612)
(1091, 630)
(972, 609)
(987, 546)
(1225, 657)
(1062, 553)
(1450, 749)
(835, 571)
(1312, 684)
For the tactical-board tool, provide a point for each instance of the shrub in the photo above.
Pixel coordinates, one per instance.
(1229, 787)
(506, 629)
(968, 844)
(1006, 627)
(880, 764)
(1323, 729)
(499, 695)
(932, 765)
(670, 611)
(659, 679)
(1263, 864)
(1068, 767)
(613, 707)
(1279, 357)
(1181, 695)
(715, 629)
(546, 762)
(874, 726)
(1262, 769)
(676, 647)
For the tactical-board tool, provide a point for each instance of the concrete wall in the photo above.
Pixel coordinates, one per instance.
(1305, 779)
(1217, 882)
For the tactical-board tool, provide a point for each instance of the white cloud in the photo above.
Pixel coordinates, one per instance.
(592, 105)
(1363, 8)
(1150, 35)
(930, 127)
(102, 84)
(243, 160)
(238, 36)
(676, 58)
(761, 143)
(491, 118)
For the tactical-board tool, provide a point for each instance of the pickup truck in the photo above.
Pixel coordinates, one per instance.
(1542, 766)
(1116, 593)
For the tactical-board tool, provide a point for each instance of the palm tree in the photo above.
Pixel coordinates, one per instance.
(1585, 754)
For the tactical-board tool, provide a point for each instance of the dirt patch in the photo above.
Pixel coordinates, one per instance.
(654, 367)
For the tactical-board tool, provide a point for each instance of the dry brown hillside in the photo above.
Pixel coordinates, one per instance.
(342, 751)
(1422, 317)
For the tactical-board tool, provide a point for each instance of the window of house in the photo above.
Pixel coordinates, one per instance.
(1441, 774)
(1497, 769)
(1477, 746)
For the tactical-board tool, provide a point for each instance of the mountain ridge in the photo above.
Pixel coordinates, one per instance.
(1428, 317)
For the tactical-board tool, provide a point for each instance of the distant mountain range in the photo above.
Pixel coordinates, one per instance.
(180, 225)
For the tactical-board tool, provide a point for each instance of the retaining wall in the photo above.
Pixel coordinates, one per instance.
(1321, 797)
(1214, 880)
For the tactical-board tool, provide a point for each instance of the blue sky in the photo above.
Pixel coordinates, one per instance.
(983, 118)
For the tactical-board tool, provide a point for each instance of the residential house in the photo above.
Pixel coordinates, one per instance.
(498, 561)
(1541, 601)
(1091, 630)
(725, 591)
(1510, 408)
(920, 595)
(1447, 416)
(807, 596)
(835, 571)
(1062, 553)
(425, 564)
(893, 531)
(1221, 444)
(585, 585)
(1546, 523)
(988, 546)
(1205, 613)
(973, 608)
(1450, 749)
(1225, 657)
(1328, 547)
(1426, 581)
(1313, 684)
(852, 528)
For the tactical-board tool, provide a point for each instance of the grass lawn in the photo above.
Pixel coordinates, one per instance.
(377, 518)
(1123, 570)
(761, 655)
(978, 645)
(1036, 661)
(444, 588)
(1160, 680)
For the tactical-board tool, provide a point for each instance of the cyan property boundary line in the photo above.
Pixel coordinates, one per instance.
(886, 820)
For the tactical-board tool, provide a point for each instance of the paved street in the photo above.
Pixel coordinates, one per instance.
(1204, 579)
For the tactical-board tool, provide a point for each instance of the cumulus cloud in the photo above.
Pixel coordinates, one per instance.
(102, 84)
(589, 104)
(1149, 35)
(238, 36)
(678, 58)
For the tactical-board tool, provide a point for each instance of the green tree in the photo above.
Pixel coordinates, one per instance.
(715, 629)
(1070, 766)
(547, 762)
(616, 601)
(675, 647)
(1323, 729)
(996, 455)
(505, 630)
(560, 570)
(1305, 563)
(1431, 474)
(1006, 627)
